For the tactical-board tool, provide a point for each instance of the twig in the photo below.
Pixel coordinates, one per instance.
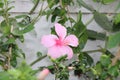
(91, 51)
(37, 60)
(34, 7)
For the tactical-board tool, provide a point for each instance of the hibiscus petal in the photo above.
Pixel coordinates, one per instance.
(48, 40)
(58, 51)
(60, 30)
(71, 40)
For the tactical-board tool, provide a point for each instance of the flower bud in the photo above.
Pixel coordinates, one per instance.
(43, 74)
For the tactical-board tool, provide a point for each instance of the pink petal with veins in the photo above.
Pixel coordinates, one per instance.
(58, 51)
(60, 30)
(48, 40)
(71, 40)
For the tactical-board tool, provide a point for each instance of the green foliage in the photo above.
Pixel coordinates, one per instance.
(82, 3)
(103, 21)
(23, 72)
(116, 23)
(93, 35)
(104, 1)
(114, 40)
(79, 29)
(105, 60)
(86, 59)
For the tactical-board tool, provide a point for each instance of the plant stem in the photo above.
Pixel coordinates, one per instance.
(39, 14)
(61, 3)
(88, 22)
(68, 12)
(37, 60)
(34, 7)
(91, 51)
(6, 16)
(6, 13)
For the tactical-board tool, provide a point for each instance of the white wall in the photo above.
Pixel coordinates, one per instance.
(32, 39)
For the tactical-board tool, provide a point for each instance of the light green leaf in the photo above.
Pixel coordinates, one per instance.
(113, 71)
(81, 2)
(114, 40)
(105, 60)
(107, 1)
(20, 32)
(117, 19)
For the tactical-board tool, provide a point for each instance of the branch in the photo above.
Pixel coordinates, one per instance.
(37, 60)
(34, 7)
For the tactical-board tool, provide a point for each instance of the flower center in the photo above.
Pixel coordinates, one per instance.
(59, 42)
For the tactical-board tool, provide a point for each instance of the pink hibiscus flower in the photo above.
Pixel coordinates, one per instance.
(60, 45)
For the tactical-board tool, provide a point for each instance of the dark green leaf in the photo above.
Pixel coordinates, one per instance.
(103, 21)
(1, 5)
(86, 59)
(79, 29)
(93, 35)
(39, 54)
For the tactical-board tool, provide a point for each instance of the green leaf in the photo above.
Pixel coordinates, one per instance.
(79, 29)
(1, 5)
(105, 60)
(34, 1)
(114, 40)
(117, 18)
(104, 1)
(103, 21)
(20, 16)
(113, 71)
(118, 6)
(98, 68)
(116, 23)
(19, 32)
(39, 54)
(86, 59)
(15, 73)
(107, 1)
(104, 75)
(81, 2)
(50, 3)
(93, 35)
(10, 41)
(4, 28)
(1, 12)
(4, 76)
